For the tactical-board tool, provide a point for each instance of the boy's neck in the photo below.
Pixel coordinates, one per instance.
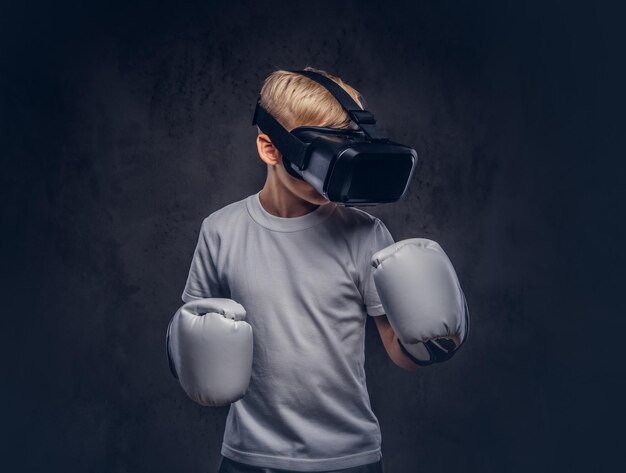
(280, 202)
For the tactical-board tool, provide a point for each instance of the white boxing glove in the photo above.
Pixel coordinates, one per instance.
(209, 348)
(422, 298)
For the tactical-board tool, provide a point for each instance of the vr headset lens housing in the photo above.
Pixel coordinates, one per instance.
(372, 178)
(347, 166)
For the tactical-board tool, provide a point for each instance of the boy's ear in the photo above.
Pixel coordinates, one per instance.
(267, 151)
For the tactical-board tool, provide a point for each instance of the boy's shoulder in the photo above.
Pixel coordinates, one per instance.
(356, 223)
(224, 217)
(356, 218)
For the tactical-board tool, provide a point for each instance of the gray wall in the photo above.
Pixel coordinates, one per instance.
(123, 127)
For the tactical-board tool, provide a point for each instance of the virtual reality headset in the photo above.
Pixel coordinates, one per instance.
(359, 166)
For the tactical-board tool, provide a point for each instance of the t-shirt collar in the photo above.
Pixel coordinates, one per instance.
(282, 224)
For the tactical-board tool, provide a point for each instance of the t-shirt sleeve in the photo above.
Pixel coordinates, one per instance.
(203, 280)
(379, 238)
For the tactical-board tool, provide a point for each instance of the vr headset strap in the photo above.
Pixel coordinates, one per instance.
(361, 117)
(290, 146)
(294, 149)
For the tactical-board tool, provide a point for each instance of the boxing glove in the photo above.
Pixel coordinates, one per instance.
(209, 349)
(422, 298)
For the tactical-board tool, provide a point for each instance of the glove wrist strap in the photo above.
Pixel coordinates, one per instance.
(412, 358)
(437, 353)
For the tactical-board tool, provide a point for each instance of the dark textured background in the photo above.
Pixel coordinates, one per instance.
(122, 127)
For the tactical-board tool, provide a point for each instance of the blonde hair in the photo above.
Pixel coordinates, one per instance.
(295, 100)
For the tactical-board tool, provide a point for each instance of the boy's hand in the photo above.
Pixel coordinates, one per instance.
(422, 298)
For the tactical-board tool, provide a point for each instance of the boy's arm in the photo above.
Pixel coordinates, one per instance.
(203, 280)
(390, 341)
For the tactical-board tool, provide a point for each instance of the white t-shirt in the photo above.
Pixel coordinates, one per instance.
(307, 288)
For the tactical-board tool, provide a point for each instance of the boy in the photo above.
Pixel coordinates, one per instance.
(299, 265)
